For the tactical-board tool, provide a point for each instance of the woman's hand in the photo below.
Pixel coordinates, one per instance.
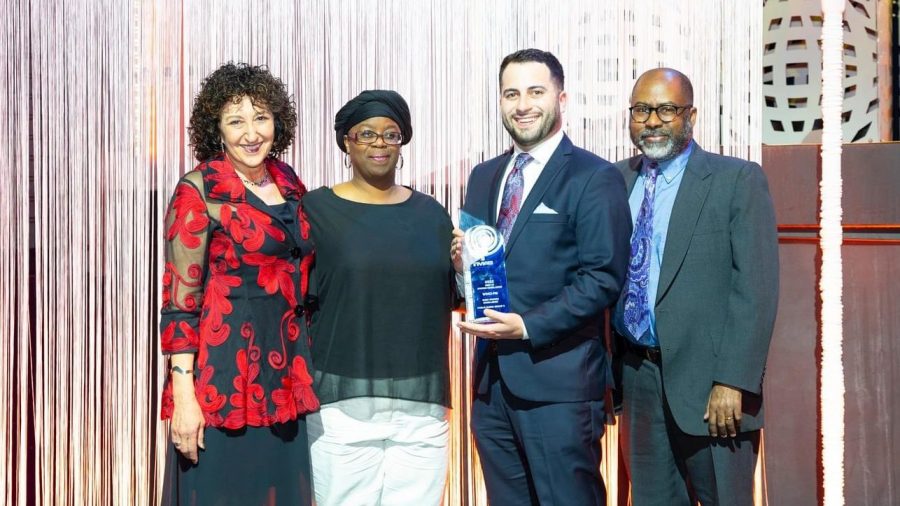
(187, 418)
(456, 250)
(187, 426)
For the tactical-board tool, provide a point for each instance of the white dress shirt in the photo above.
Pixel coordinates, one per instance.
(541, 155)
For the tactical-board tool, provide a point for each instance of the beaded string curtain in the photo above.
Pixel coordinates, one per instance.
(831, 283)
(97, 95)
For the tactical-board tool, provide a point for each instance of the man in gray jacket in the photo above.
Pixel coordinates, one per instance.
(695, 319)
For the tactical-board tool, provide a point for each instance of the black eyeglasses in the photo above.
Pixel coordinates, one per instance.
(666, 112)
(369, 137)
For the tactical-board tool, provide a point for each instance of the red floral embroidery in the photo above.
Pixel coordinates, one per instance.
(307, 262)
(222, 250)
(213, 329)
(209, 398)
(249, 334)
(179, 336)
(288, 322)
(167, 403)
(223, 181)
(248, 226)
(301, 386)
(304, 222)
(285, 178)
(172, 283)
(167, 286)
(296, 397)
(249, 399)
(274, 274)
(190, 216)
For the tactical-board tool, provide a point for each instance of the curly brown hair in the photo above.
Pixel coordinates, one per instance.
(230, 83)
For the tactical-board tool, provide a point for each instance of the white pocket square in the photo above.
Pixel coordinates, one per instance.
(543, 209)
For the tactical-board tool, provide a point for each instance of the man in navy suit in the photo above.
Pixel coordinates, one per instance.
(541, 370)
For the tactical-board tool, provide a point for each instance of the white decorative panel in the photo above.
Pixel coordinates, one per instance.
(792, 72)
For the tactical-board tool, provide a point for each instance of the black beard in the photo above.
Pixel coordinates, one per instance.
(548, 122)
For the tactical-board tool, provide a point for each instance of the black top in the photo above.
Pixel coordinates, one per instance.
(384, 282)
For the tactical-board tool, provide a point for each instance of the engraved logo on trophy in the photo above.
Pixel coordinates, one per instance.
(484, 271)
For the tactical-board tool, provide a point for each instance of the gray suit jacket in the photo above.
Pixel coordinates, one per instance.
(718, 286)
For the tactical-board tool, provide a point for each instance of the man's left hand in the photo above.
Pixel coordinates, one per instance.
(723, 411)
(507, 326)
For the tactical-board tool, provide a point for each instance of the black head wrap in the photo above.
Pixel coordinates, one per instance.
(373, 104)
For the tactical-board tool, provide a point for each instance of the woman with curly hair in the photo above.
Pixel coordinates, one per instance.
(237, 256)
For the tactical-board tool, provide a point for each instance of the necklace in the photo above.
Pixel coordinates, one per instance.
(263, 181)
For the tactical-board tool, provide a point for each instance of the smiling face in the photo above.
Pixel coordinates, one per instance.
(531, 104)
(657, 140)
(248, 132)
(379, 159)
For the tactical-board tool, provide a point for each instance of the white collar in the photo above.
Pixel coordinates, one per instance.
(543, 151)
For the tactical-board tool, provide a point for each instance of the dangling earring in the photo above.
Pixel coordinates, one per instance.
(347, 160)
(223, 146)
(401, 162)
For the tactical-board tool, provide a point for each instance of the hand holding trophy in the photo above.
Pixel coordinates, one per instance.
(484, 270)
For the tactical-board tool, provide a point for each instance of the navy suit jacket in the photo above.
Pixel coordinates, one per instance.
(564, 269)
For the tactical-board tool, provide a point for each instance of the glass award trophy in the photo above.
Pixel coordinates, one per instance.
(484, 270)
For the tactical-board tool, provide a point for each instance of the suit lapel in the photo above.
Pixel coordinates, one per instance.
(634, 166)
(688, 203)
(554, 166)
(497, 187)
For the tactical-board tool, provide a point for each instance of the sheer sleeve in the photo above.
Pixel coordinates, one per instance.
(186, 239)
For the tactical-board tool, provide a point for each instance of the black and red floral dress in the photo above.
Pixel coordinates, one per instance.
(236, 273)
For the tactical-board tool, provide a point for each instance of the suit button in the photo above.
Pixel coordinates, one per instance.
(298, 310)
(295, 252)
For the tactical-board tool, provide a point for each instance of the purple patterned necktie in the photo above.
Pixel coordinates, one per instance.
(637, 307)
(512, 196)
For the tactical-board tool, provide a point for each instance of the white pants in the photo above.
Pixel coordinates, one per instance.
(373, 451)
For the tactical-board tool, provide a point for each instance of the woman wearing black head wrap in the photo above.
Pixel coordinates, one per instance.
(383, 283)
